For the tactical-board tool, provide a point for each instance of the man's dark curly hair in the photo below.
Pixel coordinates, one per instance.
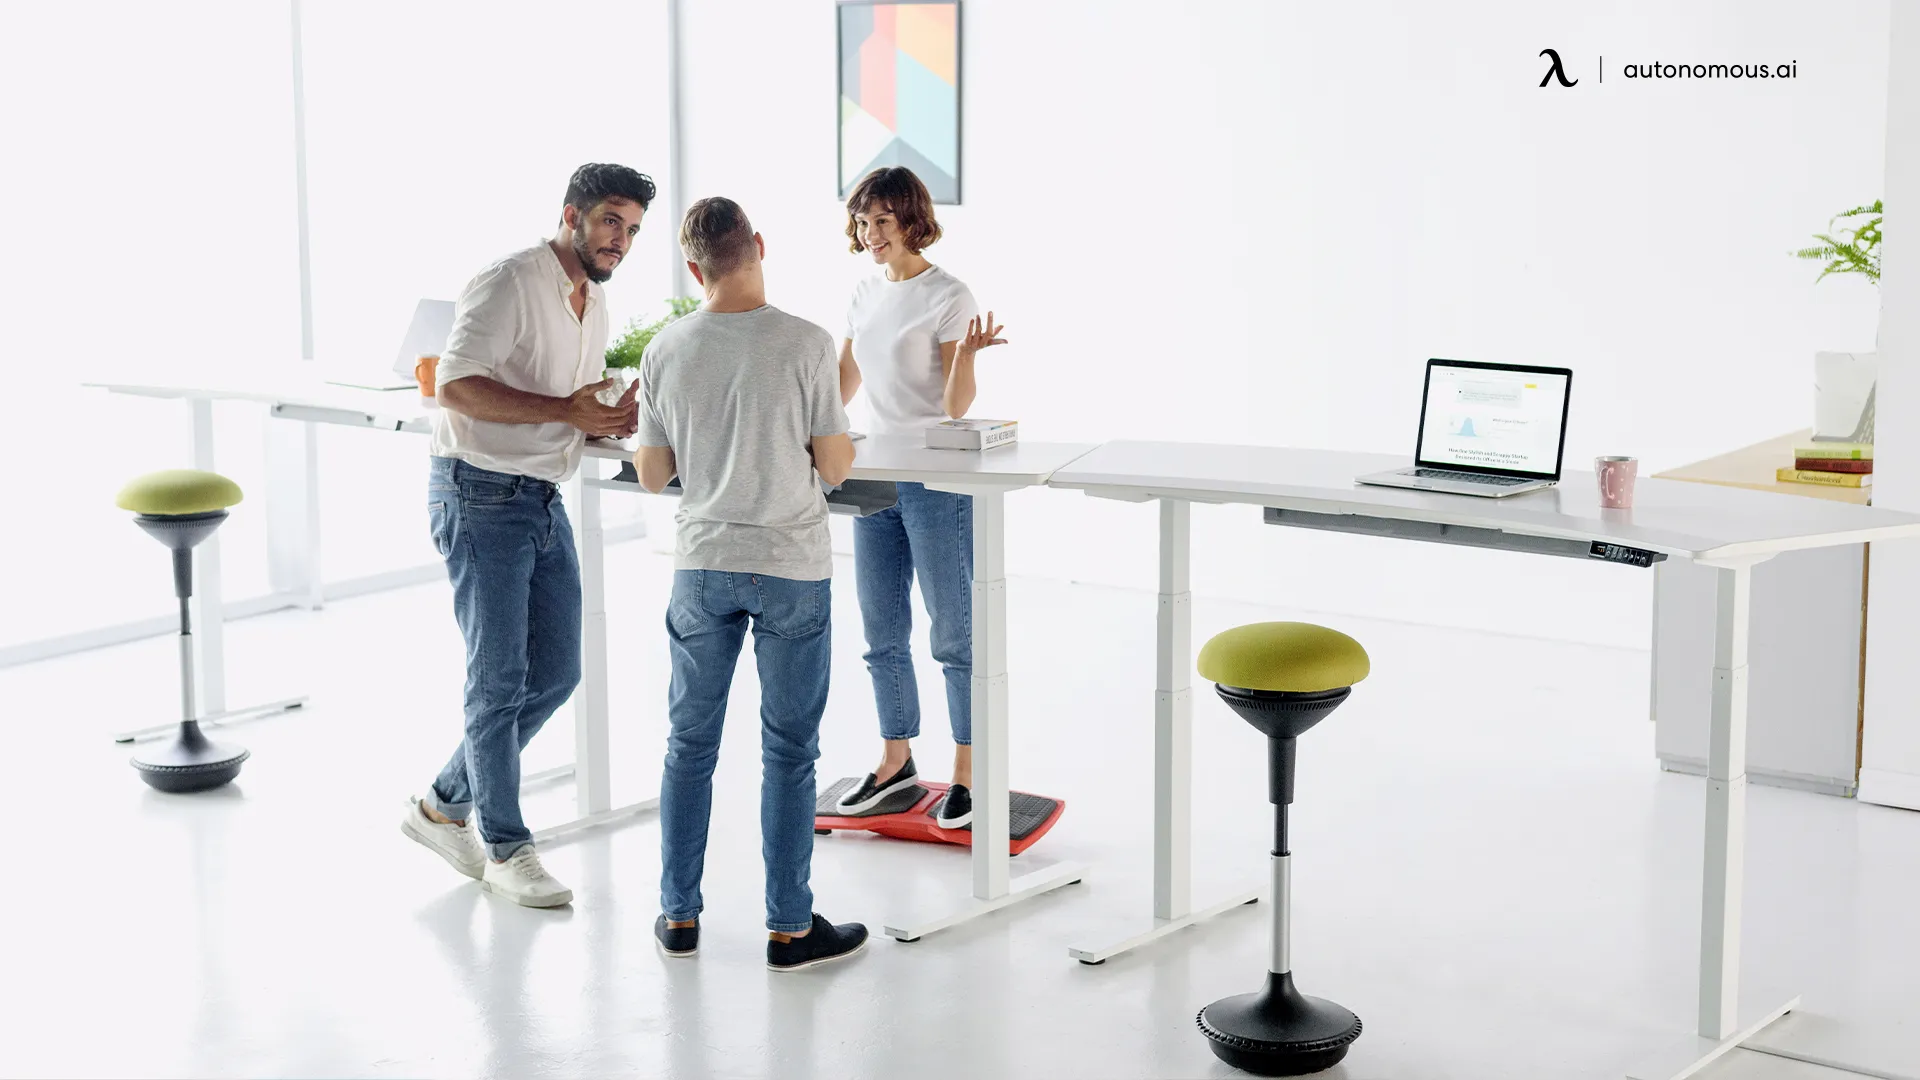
(592, 185)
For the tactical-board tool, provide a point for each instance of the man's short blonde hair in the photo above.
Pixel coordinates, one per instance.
(717, 237)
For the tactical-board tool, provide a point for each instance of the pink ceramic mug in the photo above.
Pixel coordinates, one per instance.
(1616, 480)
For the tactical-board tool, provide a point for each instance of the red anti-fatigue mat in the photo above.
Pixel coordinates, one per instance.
(909, 815)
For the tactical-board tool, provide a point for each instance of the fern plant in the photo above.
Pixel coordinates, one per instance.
(630, 347)
(1854, 249)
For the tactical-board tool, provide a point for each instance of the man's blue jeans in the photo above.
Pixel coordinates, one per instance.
(707, 623)
(516, 594)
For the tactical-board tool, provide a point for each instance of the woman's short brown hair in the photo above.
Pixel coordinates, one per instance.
(896, 188)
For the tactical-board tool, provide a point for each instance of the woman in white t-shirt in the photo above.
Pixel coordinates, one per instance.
(912, 333)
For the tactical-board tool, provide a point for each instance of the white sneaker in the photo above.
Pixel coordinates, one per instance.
(524, 881)
(455, 843)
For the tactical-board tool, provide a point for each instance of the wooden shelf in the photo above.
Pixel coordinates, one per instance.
(1753, 467)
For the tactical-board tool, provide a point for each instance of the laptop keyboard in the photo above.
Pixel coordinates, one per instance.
(1468, 478)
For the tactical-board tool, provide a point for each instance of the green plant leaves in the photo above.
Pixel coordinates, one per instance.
(1855, 250)
(630, 348)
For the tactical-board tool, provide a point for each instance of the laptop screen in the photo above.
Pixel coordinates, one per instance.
(1494, 418)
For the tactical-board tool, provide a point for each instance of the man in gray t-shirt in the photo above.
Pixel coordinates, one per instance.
(742, 402)
(738, 396)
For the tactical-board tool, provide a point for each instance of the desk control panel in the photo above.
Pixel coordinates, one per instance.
(1616, 553)
(1462, 535)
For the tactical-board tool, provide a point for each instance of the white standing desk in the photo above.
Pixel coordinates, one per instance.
(1727, 529)
(987, 476)
(303, 394)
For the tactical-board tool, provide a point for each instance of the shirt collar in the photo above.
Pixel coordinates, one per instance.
(564, 283)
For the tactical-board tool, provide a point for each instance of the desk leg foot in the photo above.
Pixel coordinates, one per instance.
(214, 720)
(1689, 1056)
(619, 814)
(1159, 928)
(546, 776)
(1021, 888)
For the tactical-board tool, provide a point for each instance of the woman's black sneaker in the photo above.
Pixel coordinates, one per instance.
(676, 940)
(872, 792)
(956, 810)
(825, 942)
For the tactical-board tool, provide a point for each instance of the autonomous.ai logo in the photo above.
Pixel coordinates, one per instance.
(1555, 71)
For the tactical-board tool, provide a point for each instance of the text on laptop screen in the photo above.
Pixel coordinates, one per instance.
(1493, 419)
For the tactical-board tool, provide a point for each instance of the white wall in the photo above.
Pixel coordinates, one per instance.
(149, 204)
(1252, 222)
(1890, 750)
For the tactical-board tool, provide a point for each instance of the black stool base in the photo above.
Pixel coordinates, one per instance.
(1278, 1031)
(189, 763)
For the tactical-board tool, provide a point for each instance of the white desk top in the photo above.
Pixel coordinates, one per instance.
(1693, 521)
(281, 384)
(1024, 464)
(900, 457)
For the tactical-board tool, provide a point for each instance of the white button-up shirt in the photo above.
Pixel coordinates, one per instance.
(514, 324)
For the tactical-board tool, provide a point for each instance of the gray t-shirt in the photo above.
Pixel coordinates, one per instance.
(740, 397)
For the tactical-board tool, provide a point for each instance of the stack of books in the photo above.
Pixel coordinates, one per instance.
(1832, 464)
(972, 434)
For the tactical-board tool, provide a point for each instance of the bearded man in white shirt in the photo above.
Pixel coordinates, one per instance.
(517, 385)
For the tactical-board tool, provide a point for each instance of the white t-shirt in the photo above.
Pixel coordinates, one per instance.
(897, 328)
(514, 324)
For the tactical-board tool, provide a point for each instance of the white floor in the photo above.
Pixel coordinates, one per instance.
(1489, 869)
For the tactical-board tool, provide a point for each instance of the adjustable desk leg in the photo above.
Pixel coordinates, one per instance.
(208, 616)
(993, 888)
(1172, 751)
(592, 788)
(1723, 880)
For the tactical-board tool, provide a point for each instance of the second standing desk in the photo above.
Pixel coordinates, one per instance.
(1726, 529)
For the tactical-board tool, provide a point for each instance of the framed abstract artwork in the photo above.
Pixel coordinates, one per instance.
(900, 91)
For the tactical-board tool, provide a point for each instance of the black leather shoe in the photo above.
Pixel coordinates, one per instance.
(823, 944)
(872, 792)
(676, 940)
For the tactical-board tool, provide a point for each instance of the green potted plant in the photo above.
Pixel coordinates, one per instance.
(625, 352)
(1843, 382)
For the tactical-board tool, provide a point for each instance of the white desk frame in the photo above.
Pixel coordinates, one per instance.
(1667, 521)
(987, 477)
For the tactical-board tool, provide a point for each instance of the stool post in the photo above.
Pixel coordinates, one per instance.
(1281, 753)
(187, 714)
(1281, 949)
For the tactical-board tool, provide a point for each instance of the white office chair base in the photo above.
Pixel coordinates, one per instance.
(1160, 928)
(214, 720)
(1025, 887)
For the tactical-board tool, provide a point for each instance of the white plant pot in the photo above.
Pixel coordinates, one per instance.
(1843, 393)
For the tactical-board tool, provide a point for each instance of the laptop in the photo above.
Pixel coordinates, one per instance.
(426, 335)
(1491, 430)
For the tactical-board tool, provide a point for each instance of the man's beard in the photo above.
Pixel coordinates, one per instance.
(594, 273)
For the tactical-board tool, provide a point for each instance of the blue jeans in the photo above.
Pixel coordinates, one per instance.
(516, 594)
(929, 533)
(792, 649)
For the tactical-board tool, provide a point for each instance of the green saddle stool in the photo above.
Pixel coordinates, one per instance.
(180, 508)
(1283, 678)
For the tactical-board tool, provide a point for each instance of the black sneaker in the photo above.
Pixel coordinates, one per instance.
(676, 940)
(872, 792)
(825, 942)
(956, 810)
